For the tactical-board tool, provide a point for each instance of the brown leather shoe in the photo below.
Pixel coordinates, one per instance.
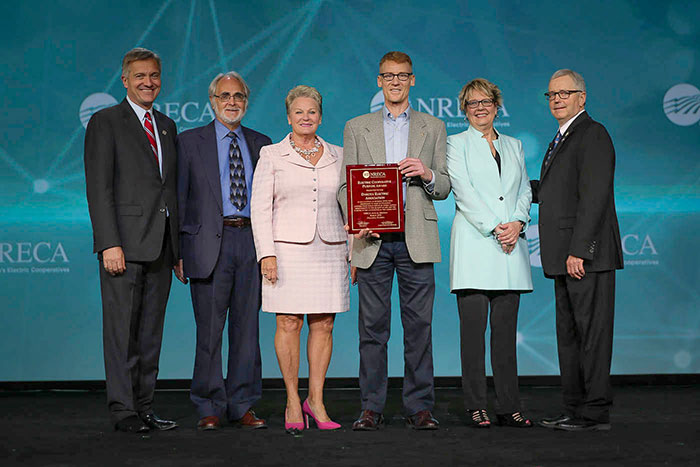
(211, 422)
(422, 420)
(251, 422)
(369, 421)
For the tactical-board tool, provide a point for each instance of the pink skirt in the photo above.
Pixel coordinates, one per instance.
(311, 278)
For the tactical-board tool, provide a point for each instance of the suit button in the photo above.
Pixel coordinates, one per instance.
(218, 235)
(162, 209)
(500, 198)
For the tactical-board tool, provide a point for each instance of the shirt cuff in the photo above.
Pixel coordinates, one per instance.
(430, 186)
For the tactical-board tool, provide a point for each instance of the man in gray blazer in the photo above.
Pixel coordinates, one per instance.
(416, 141)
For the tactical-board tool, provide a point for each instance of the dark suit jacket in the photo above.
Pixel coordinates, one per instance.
(126, 195)
(577, 204)
(199, 196)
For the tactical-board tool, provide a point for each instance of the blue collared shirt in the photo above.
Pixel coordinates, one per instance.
(223, 142)
(396, 141)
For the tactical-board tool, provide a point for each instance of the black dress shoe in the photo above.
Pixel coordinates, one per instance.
(581, 424)
(156, 423)
(131, 424)
(554, 421)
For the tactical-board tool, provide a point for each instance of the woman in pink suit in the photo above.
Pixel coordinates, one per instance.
(302, 249)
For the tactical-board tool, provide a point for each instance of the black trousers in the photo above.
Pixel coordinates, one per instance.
(585, 316)
(473, 306)
(416, 294)
(133, 313)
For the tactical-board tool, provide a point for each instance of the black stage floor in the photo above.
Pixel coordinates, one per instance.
(651, 425)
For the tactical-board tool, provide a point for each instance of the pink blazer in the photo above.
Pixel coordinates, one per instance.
(292, 198)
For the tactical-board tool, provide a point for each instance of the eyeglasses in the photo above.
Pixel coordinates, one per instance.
(474, 104)
(388, 77)
(550, 96)
(226, 96)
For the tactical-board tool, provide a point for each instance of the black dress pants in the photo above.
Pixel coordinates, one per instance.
(133, 313)
(473, 306)
(585, 317)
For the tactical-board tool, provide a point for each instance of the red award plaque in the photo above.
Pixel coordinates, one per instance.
(375, 198)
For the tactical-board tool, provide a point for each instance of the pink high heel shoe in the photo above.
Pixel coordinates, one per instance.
(293, 427)
(306, 409)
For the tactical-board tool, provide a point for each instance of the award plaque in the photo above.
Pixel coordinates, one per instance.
(375, 198)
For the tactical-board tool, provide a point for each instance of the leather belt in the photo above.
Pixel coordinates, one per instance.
(393, 237)
(236, 221)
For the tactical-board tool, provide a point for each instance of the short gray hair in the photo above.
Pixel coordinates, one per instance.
(228, 74)
(578, 79)
(137, 54)
(304, 91)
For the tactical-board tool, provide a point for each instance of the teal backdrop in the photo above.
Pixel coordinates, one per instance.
(61, 62)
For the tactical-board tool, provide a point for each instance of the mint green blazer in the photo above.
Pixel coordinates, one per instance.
(483, 200)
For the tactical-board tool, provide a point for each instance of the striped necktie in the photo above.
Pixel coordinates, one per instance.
(148, 125)
(548, 158)
(238, 194)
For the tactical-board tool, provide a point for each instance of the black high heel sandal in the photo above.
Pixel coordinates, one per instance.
(479, 419)
(515, 420)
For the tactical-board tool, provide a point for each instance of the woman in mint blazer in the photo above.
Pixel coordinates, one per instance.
(489, 260)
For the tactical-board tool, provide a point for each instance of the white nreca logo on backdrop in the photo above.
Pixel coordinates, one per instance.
(188, 112)
(533, 245)
(445, 108)
(682, 104)
(94, 103)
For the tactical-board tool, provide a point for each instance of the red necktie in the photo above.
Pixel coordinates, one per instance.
(148, 125)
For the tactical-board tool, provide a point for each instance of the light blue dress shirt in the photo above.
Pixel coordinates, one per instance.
(396, 142)
(223, 143)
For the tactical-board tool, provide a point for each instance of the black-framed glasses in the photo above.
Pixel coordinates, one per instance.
(564, 94)
(388, 77)
(237, 97)
(485, 102)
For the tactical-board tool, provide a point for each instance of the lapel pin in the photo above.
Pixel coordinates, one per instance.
(164, 132)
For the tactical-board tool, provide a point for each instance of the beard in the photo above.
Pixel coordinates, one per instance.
(230, 121)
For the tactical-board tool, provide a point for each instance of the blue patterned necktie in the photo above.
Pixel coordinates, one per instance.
(548, 158)
(238, 194)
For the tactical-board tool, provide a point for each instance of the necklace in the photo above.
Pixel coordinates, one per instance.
(305, 153)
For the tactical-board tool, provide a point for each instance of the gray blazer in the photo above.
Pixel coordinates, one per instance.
(363, 143)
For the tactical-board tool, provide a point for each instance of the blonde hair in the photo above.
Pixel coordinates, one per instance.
(396, 57)
(304, 91)
(483, 85)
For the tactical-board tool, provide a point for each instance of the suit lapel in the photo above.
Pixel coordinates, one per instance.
(209, 153)
(328, 157)
(166, 148)
(134, 126)
(562, 142)
(374, 137)
(254, 145)
(416, 134)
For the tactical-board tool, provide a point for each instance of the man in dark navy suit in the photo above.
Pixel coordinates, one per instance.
(130, 174)
(581, 249)
(215, 175)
